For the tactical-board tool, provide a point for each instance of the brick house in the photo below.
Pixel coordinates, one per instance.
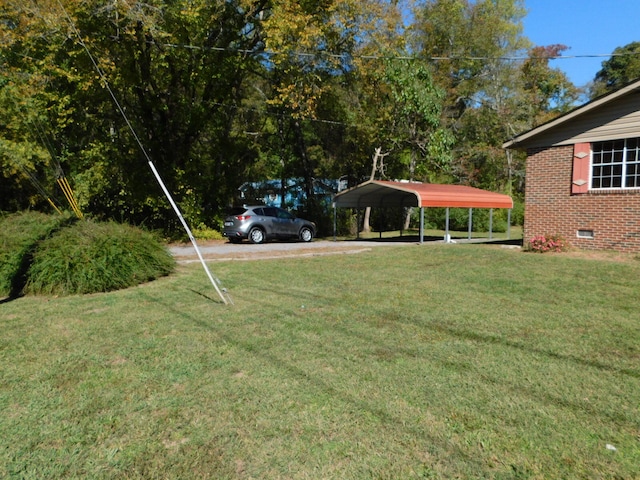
(583, 174)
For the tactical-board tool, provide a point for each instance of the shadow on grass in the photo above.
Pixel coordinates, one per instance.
(387, 417)
(10, 299)
(490, 339)
(486, 339)
(384, 415)
(203, 295)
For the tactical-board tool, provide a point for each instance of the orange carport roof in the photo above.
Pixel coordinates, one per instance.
(381, 193)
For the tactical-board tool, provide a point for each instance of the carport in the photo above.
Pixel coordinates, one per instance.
(382, 193)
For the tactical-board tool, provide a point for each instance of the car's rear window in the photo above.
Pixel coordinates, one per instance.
(237, 210)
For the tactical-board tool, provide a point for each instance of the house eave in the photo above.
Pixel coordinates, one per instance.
(523, 140)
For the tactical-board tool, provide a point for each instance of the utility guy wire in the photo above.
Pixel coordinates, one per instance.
(62, 181)
(38, 133)
(226, 299)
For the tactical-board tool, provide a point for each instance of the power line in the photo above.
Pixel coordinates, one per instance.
(283, 115)
(436, 58)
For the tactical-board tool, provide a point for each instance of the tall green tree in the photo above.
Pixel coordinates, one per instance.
(416, 129)
(362, 96)
(221, 92)
(27, 157)
(490, 96)
(312, 45)
(521, 96)
(622, 68)
(466, 41)
(27, 175)
(180, 69)
(177, 68)
(546, 92)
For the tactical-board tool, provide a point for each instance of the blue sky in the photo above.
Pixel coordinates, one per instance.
(588, 27)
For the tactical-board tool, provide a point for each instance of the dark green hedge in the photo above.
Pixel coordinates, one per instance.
(58, 255)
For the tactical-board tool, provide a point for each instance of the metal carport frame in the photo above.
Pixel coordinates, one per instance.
(382, 193)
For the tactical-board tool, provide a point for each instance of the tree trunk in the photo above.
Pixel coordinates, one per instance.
(366, 228)
(412, 173)
(306, 164)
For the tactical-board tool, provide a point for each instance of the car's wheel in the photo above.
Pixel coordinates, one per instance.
(306, 234)
(256, 235)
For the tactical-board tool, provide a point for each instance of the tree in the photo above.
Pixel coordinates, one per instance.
(466, 40)
(178, 70)
(489, 97)
(26, 171)
(620, 69)
(416, 126)
(27, 160)
(360, 97)
(221, 92)
(547, 91)
(182, 82)
(467, 43)
(312, 45)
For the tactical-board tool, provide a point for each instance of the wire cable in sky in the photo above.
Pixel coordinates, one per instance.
(345, 56)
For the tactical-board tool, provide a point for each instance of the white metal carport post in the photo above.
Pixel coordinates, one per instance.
(490, 223)
(421, 225)
(447, 237)
(335, 221)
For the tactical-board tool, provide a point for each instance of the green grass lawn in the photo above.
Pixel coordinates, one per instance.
(420, 361)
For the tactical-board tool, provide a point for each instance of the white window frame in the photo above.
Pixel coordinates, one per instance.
(585, 233)
(630, 156)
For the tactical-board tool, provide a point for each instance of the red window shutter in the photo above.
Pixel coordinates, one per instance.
(581, 164)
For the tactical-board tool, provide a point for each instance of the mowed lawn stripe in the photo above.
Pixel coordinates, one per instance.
(449, 361)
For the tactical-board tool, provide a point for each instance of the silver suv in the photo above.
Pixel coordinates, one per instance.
(261, 223)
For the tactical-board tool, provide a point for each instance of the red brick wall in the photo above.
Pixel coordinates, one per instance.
(550, 208)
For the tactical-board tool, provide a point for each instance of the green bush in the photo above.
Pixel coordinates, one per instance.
(517, 213)
(459, 219)
(202, 232)
(387, 219)
(91, 257)
(20, 234)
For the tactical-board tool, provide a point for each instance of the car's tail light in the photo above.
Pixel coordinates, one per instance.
(243, 217)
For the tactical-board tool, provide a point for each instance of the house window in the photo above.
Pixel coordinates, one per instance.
(585, 234)
(616, 164)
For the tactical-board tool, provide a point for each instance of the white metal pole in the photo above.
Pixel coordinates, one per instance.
(335, 221)
(447, 237)
(144, 151)
(490, 223)
(188, 230)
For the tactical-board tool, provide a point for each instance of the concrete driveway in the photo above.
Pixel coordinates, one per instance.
(224, 251)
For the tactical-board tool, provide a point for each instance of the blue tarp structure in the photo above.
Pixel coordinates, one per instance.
(269, 192)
